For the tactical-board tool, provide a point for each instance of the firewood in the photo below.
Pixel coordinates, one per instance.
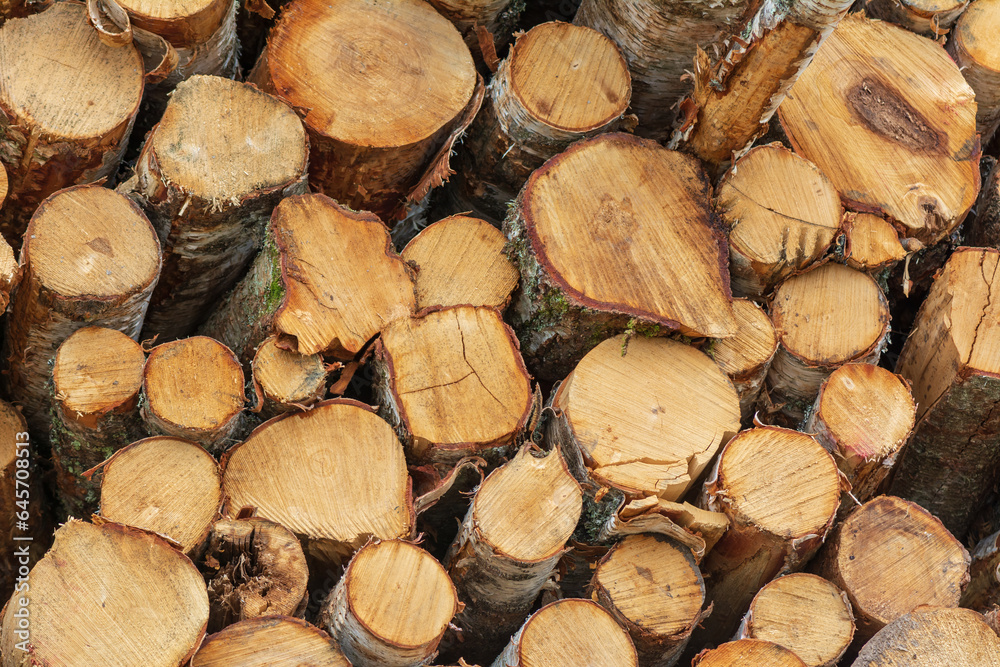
(863, 416)
(96, 381)
(286, 380)
(193, 388)
(596, 250)
(208, 178)
(460, 260)
(781, 490)
(872, 243)
(747, 356)
(824, 318)
(67, 103)
(268, 641)
(327, 280)
(931, 19)
(497, 18)
(983, 591)
(804, 613)
(134, 599)
(377, 118)
(748, 653)
(391, 607)
(928, 565)
(569, 632)
(653, 588)
(659, 43)
(931, 637)
(973, 46)
(922, 122)
(90, 257)
(510, 542)
(953, 457)
(343, 482)
(983, 231)
(452, 384)
(4, 184)
(253, 568)
(560, 83)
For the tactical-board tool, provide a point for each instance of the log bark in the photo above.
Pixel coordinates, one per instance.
(209, 176)
(573, 632)
(499, 18)
(327, 280)
(929, 19)
(270, 640)
(96, 379)
(973, 47)
(133, 597)
(983, 231)
(888, 534)
(560, 83)
(871, 243)
(804, 613)
(748, 653)
(411, 69)
(83, 226)
(983, 591)
(824, 318)
(746, 357)
(928, 637)
(391, 607)
(953, 457)
(67, 104)
(591, 263)
(922, 121)
(460, 260)
(285, 381)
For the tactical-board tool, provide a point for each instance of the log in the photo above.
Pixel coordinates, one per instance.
(746, 357)
(824, 318)
(271, 640)
(327, 280)
(193, 389)
(922, 121)
(953, 456)
(888, 534)
(983, 591)
(391, 607)
(872, 244)
(253, 568)
(134, 599)
(460, 260)
(67, 103)
(498, 18)
(452, 384)
(209, 176)
(96, 379)
(560, 83)
(659, 41)
(408, 69)
(804, 613)
(653, 588)
(90, 258)
(591, 261)
(748, 653)
(983, 231)
(929, 637)
(508, 547)
(284, 380)
(931, 19)
(571, 632)
(973, 47)
(344, 482)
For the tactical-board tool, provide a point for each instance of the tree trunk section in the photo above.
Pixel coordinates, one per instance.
(872, 245)
(285, 381)
(929, 637)
(746, 357)
(930, 19)
(10, 9)
(272, 640)
(973, 46)
(748, 653)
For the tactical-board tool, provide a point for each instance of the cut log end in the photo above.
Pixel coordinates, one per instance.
(272, 640)
(287, 380)
(184, 23)
(874, 243)
(97, 371)
(973, 46)
(748, 653)
(931, 18)
(932, 636)
(746, 357)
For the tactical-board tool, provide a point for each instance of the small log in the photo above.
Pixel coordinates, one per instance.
(953, 457)
(930, 19)
(930, 637)
(983, 591)
(747, 356)
(591, 262)
(824, 318)
(133, 598)
(510, 542)
(872, 244)
(408, 69)
(452, 384)
(498, 18)
(905, 101)
(560, 83)
(327, 280)
(253, 568)
(96, 381)
(193, 389)
(285, 380)
(890, 535)
(343, 482)
(391, 607)
(67, 103)
(209, 176)
(460, 260)
(268, 641)
(748, 653)
(90, 257)
(804, 613)
(782, 215)
(653, 588)
(569, 632)
(973, 46)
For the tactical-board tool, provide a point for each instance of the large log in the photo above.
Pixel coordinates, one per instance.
(931, 637)
(269, 641)
(973, 46)
(746, 357)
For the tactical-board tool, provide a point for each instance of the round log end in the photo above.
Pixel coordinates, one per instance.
(752, 347)
(269, 640)
(933, 636)
(748, 653)
(286, 377)
(571, 632)
(97, 370)
(184, 23)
